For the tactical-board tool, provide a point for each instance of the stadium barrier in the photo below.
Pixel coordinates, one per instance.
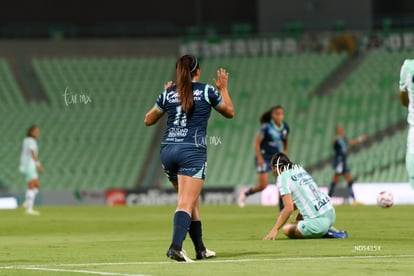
(366, 193)
(214, 196)
(350, 42)
(8, 203)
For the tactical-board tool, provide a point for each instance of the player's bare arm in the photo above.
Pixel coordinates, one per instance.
(39, 166)
(257, 150)
(285, 146)
(153, 116)
(283, 217)
(358, 140)
(404, 98)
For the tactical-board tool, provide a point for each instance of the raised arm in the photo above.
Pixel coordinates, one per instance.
(358, 140)
(226, 108)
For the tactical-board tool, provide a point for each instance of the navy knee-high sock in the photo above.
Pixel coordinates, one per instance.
(281, 205)
(351, 190)
(331, 189)
(196, 235)
(250, 192)
(182, 222)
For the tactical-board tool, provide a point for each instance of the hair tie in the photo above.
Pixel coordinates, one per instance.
(195, 65)
(277, 165)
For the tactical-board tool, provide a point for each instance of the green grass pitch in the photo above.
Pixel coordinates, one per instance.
(133, 241)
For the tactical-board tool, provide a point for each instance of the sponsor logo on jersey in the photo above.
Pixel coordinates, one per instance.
(172, 97)
(177, 132)
(322, 202)
(198, 92)
(297, 176)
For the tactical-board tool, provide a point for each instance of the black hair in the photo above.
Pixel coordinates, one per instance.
(186, 68)
(281, 161)
(30, 129)
(267, 116)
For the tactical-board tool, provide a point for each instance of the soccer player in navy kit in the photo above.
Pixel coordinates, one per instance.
(340, 165)
(272, 138)
(183, 150)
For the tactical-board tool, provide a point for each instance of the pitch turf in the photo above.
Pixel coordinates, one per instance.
(133, 241)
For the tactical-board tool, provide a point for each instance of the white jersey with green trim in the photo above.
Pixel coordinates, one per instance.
(407, 85)
(307, 197)
(26, 159)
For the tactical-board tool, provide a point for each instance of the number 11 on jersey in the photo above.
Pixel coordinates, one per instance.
(180, 117)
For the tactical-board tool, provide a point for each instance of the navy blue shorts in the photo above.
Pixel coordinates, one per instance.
(266, 166)
(184, 160)
(341, 167)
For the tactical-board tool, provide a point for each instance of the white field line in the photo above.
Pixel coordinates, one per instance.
(69, 271)
(38, 266)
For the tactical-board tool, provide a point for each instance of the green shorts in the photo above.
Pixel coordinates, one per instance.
(30, 174)
(317, 227)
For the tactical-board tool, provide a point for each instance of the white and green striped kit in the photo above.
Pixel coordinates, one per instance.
(307, 197)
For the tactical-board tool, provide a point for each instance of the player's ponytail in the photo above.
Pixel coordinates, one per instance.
(267, 116)
(186, 68)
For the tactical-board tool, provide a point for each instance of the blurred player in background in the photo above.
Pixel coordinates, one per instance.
(183, 149)
(29, 167)
(299, 191)
(407, 100)
(340, 165)
(271, 138)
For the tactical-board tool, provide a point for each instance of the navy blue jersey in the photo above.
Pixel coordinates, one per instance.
(273, 138)
(191, 127)
(340, 148)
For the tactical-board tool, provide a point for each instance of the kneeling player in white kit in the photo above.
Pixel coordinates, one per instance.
(299, 191)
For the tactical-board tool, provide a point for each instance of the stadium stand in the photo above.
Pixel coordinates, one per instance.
(98, 144)
(9, 90)
(105, 144)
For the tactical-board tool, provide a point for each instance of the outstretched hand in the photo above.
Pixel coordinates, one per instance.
(168, 85)
(270, 236)
(222, 79)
